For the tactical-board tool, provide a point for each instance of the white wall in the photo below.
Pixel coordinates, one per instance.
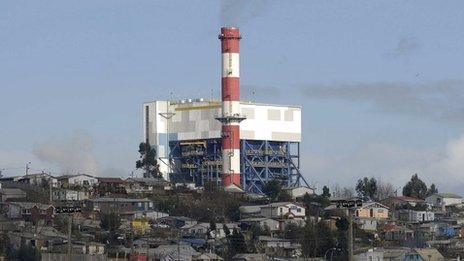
(79, 180)
(438, 201)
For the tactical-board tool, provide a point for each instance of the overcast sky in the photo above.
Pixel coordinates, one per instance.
(380, 82)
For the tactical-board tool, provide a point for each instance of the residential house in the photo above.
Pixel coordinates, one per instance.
(431, 228)
(177, 222)
(10, 179)
(186, 185)
(263, 223)
(414, 216)
(431, 254)
(91, 248)
(233, 189)
(123, 206)
(447, 230)
(372, 210)
(29, 211)
(401, 234)
(69, 195)
(10, 224)
(145, 185)
(140, 226)
(173, 252)
(45, 238)
(424, 232)
(111, 186)
(77, 180)
(367, 224)
(298, 192)
(250, 257)
(250, 211)
(442, 200)
(207, 257)
(401, 254)
(202, 229)
(402, 202)
(39, 180)
(7, 194)
(370, 255)
(283, 210)
(274, 246)
(150, 215)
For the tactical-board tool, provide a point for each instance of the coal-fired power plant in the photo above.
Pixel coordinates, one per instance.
(230, 142)
(230, 98)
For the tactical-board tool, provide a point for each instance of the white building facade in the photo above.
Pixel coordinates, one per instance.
(166, 121)
(444, 200)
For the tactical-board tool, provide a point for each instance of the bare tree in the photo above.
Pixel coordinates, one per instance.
(384, 189)
(342, 192)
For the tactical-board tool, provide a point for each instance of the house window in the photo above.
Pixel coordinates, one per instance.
(298, 210)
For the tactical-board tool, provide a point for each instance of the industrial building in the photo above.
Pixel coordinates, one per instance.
(228, 141)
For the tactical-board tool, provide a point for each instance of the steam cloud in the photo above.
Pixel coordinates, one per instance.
(442, 165)
(440, 100)
(72, 155)
(238, 12)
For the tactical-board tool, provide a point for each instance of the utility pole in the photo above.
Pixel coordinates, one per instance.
(27, 168)
(178, 246)
(50, 190)
(349, 205)
(350, 235)
(70, 220)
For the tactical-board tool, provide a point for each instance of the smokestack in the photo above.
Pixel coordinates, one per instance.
(230, 97)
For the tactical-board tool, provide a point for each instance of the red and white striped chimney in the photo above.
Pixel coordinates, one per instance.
(230, 37)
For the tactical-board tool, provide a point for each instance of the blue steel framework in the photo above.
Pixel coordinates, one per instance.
(261, 161)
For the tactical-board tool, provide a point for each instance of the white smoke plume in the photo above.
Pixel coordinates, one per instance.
(72, 155)
(438, 100)
(239, 12)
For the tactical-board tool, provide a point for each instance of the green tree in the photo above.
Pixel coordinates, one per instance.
(4, 244)
(272, 189)
(28, 253)
(323, 200)
(415, 188)
(110, 222)
(366, 188)
(432, 190)
(342, 224)
(326, 192)
(237, 243)
(317, 239)
(293, 232)
(148, 162)
(212, 225)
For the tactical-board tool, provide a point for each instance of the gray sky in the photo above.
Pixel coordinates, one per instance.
(380, 82)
